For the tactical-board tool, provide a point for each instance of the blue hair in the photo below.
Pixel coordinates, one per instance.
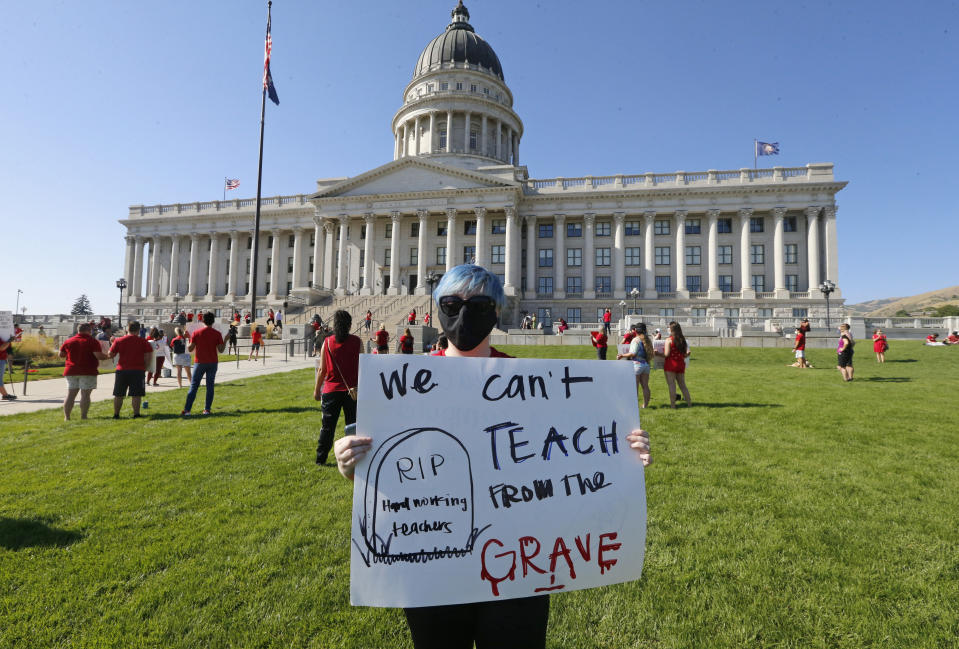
(468, 280)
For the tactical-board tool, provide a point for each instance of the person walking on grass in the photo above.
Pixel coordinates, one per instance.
(181, 357)
(133, 357)
(256, 341)
(641, 353)
(158, 340)
(231, 347)
(83, 355)
(674, 365)
(879, 345)
(4, 349)
(799, 348)
(336, 381)
(601, 342)
(844, 353)
(208, 343)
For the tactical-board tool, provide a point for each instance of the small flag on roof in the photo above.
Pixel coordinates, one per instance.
(767, 148)
(232, 183)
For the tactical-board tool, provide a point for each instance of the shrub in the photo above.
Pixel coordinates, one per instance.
(35, 348)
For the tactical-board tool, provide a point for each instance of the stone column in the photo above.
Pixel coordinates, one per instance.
(155, 268)
(369, 286)
(193, 287)
(779, 268)
(482, 238)
(746, 291)
(516, 149)
(589, 261)
(128, 260)
(422, 251)
(342, 279)
(497, 144)
(680, 218)
(450, 236)
(432, 131)
(396, 144)
(812, 249)
(416, 135)
(832, 250)
(559, 257)
(330, 228)
(319, 245)
(509, 143)
(484, 146)
(530, 256)
(276, 290)
(449, 133)
(299, 243)
(619, 255)
(395, 288)
(214, 258)
(175, 265)
(712, 250)
(649, 270)
(234, 274)
(137, 280)
(512, 251)
(405, 144)
(466, 132)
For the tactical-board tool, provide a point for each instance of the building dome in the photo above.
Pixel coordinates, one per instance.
(458, 44)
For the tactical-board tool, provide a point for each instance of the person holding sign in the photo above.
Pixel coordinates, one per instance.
(470, 299)
(336, 381)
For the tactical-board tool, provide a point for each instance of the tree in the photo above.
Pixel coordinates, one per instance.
(82, 306)
(946, 310)
(901, 313)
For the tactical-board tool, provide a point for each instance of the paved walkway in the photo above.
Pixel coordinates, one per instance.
(50, 393)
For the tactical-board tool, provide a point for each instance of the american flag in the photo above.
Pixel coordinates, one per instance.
(267, 77)
(767, 148)
(232, 183)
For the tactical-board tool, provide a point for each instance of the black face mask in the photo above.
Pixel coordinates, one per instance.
(467, 330)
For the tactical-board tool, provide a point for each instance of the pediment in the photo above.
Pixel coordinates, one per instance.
(410, 175)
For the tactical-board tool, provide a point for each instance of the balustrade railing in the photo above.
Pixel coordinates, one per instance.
(142, 210)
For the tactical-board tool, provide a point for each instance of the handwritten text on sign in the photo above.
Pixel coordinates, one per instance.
(494, 479)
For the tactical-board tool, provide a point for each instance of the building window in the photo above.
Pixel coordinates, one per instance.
(693, 255)
(269, 265)
(756, 224)
(289, 287)
(389, 231)
(229, 244)
(661, 226)
(469, 254)
(797, 313)
(459, 85)
(289, 264)
(574, 285)
(313, 239)
(269, 241)
(429, 87)
(444, 85)
(602, 229)
(472, 139)
(694, 283)
(725, 254)
(789, 224)
(632, 282)
(604, 284)
(291, 241)
(574, 229)
(792, 283)
(759, 283)
(545, 257)
(574, 314)
(546, 231)
(441, 255)
(667, 312)
(362, 232)
(664, 284)
(362, 260)
(472, 87)
(267, 287)
(574, 256)
(414, 256)
(792, 253)
(249, 242)
(499, 226)
(386, 257)
(602, 256)
(469, 227)
(414, 229)
(768, 313)
(485, 91)
(632, 256)
(442, 138)
(544, 286)
(757, 254)
(632, 228)
(662, 256)
(726, 283)
(247, 267)
(441, 228)
(697, 312)
(498, 254)
(724, 226)
(693, 226)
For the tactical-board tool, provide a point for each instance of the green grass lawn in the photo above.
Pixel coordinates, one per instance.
(786, 509)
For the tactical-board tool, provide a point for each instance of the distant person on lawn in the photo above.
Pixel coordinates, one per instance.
(601, 342)
(674, 363)
(83, 355)
(134, 355)
(181, 357)
(879, 345)
(337, 376)
(953, 338)
(844, 353)
(256, 340)
(799, 348)
(4, 348)
(207, 342)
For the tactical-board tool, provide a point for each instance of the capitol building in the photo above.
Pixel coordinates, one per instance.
(741, 242)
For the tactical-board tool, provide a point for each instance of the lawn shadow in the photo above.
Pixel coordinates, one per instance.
(903, 360)
(17, 533)
(889, 379)
(703, 404)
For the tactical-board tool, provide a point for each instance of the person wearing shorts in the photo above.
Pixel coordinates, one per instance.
(181, 357)
(382, 339)
(800, 349)
(134, 353)
(641, 353)
(83, 355)
(257, 338)
(4, 348)
(844, 353)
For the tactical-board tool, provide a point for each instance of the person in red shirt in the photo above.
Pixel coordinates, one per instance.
(470, 299)
(189, 316)
(4, 348)
(607, 320)
(599, 340)
(257, 340)
(83, 355)
(382, 339)
(800, 349)
(953, 338)
(207, 343)
(411, 319)
(405, 345)
(879, 345)
(336, 378)
(427, 319)
(134, 354)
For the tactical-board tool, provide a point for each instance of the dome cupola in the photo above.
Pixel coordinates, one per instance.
(459, 44)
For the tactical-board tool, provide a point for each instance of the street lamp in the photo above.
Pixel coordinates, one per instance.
(634, 294)
(18, 304)
(431, 279)
(827, 287)
(622, 308)
(121, 284)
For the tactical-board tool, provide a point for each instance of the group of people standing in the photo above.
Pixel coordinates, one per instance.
(643, 353)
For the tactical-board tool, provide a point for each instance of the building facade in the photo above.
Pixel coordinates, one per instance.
(738, 242)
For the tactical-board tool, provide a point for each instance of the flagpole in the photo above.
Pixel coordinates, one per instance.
(224, 188)
(259, 183)
(755, 153)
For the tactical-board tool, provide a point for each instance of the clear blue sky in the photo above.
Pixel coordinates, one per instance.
(111, 104)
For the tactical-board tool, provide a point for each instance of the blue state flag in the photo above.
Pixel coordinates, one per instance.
(767, 148)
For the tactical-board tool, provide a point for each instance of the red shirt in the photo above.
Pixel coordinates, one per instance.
(382, 338)
(207, 340)
(3, 353)
(607, 316)
(628, 338)
(257, 337)
(81, 360)
(953, 339)
(347, 360)
(599, 340)
(130, 350)
(800, 340)
(931, 338)
(493, 353)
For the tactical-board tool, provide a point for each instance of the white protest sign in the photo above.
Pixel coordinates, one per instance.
(6, 325)
(494, 479)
